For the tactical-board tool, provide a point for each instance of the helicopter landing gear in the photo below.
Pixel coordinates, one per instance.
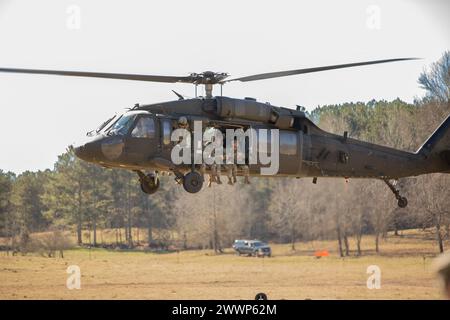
(193, 182)
(401, 201)
(149, 182)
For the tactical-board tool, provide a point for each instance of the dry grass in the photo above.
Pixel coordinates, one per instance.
(405, 263)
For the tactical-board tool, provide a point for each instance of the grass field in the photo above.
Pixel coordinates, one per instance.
(405, 263)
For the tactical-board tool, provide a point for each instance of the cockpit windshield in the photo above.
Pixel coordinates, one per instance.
(104, 124)
(122, 125)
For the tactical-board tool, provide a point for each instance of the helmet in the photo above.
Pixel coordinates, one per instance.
(182, 121)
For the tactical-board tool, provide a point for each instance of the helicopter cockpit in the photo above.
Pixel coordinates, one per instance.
(133, 133)
(121, 125)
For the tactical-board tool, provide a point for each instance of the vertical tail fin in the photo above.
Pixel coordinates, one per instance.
(438, 144)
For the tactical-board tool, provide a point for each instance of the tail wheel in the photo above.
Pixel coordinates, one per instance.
(402, 202)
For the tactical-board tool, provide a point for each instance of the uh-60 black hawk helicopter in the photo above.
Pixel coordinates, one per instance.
(140, 139)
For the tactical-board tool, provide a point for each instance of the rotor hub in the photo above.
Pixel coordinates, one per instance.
(208, 77)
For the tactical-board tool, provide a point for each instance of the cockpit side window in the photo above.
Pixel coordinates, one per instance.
(288, 143)
(167, 130)
(145, 128)
(122, 125)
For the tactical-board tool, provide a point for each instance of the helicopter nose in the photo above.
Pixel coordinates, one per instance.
(87, 152)
(80, 152)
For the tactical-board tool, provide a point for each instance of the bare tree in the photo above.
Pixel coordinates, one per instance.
(382, 213)
(289, 209)
(436, 80)
(362, 206)
(435, 202)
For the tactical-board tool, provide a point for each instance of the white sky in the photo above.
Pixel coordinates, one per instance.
(42, 115)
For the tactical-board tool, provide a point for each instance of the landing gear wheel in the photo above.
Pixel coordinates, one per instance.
(193, 182)
(150, 185)
(402, 202)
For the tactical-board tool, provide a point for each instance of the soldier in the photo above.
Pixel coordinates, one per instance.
(183, 123)
(231, 173)
(215, 172)
(442, 267)
(218, 173)
(214, 176)
(232, 168)
(216, 167)
(203, 170)
(184, 141)
(246, 173)
(211, 176)
(240, 160)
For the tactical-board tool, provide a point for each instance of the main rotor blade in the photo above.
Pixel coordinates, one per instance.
(279, 74)
(122, 76)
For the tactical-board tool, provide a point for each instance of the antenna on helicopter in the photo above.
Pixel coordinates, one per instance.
(180, 97)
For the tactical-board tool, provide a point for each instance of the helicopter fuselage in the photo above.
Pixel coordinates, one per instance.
(304, 149)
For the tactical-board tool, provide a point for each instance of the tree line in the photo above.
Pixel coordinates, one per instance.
(77, 196)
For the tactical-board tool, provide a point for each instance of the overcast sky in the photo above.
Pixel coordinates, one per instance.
(42, 115)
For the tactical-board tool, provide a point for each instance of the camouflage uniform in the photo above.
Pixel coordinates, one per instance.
(240, 158)
(231, 173)
(232, 168)
(183, 124)
(214, 176)
(203, 170)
